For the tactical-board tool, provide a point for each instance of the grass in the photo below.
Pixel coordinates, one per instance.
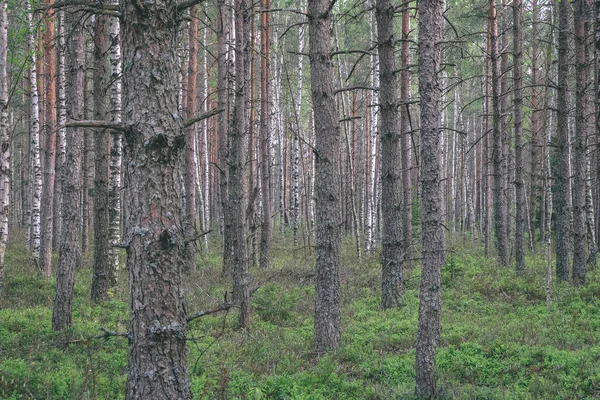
(499, 340)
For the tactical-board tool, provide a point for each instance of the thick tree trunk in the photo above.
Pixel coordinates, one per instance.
(4, 139)
(236, 211)
(392, 276)
(327, 330)
(431, 30)
(70, 242)
(265, 135)
(101, 278)
(518, 123)
(153, 157)
(560, 172)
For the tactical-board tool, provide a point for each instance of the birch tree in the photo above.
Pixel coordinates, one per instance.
(5, 147)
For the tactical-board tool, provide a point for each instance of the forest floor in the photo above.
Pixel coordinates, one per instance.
(499, 339)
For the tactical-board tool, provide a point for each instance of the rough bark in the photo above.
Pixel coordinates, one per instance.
(327, 326)
(392, 276)
(70, 242)
(153, 157)
(61, 134)
(101, 277)
(4, 139)
(265, 135)
(430, 301)
(560, 171)
(236, 212)
(500, 206)
(579, 143)
(518, 124)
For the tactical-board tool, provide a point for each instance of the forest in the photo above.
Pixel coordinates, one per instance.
(311, 199)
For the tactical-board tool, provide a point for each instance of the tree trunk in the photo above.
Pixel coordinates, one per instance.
(34, 150)
(60, 144)
(431, 31)
(500, 206)
(327, 328)
(265, 135)
(518, 103)
(190, 226)
(70, 242)
(236, 212)
(4, 139)
(101, 277)
(153, 157)
(561, 148)
(116, 150)
(47, 211)
(392, 277)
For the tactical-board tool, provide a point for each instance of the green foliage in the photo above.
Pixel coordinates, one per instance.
(499, 340)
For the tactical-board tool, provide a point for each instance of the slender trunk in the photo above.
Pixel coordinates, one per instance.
(4, 139)
(60, 145)
(34, 151)
(537, 165)
(561, 149)
(265, 134)
(518, 103)
(431, 31)
(101, 277)
(116, 151)
(296, 140)
(236, 212)
(392, 277)
(47, 211)
(70, 243)
(405, 141)
(190, 225)
(500, 220)
(327, 325)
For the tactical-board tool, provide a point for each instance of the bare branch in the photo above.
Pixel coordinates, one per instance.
(222, 307)
(99, 125)
(202, 116)
(108, 334)
(188, 4)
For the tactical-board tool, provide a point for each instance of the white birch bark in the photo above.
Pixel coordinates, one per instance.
(34, 146)
(4, 139)
(116, 152)
(61, 144)
(296, 142)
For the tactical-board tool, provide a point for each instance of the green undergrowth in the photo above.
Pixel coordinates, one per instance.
(499, 339)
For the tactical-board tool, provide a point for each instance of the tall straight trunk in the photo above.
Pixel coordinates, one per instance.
(327, 326)
(500, 206)
(190, 141)
(223, 145)
(297, 103)
(47, 211)
(34, 152)
(101, 277)
(156, 254)
(518, 123)
(60, 145)
(206, 184)
(537, 169)
(405, 141)
(486, 156)
(70, 242)
(116, 150)
(236, 213)
(561, 148)
(392, 276)
(4, 139)
(581, 8)
(265, 135)
(431, 31)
